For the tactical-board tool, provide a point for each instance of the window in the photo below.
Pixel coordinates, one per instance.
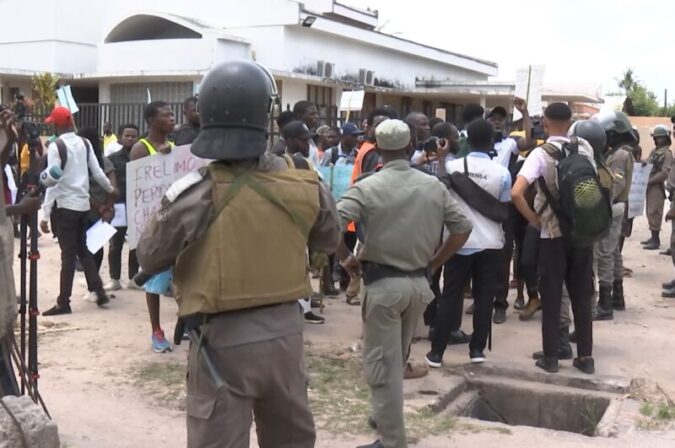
(171, 92)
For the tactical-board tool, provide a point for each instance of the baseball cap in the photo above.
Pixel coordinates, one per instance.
(392, 135)
(350, 129)
(499, 110)
(296, 129)
(60, 116)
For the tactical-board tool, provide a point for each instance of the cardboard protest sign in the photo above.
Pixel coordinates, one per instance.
(638, 190)
(529, 85)
(148, 179)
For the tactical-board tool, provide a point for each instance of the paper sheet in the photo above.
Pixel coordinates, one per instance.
(120, 218)
(99, 234)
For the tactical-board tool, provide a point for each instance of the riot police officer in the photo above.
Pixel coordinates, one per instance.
(661, 158)
(236, 233)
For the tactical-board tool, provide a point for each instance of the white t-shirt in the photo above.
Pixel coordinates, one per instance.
(111, 148)
(505, 149)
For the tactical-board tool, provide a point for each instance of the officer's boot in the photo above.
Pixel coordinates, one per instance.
(533, 305)
(618, 302)
(654, 242)
(604, 309)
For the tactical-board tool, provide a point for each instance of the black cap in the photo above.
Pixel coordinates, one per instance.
(499, 110)
(471, 112)
(296, 129)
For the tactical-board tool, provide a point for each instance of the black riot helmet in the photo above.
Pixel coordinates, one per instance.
(617, 127)
(235, 102)
(591, 131)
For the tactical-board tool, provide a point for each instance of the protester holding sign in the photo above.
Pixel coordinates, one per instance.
(159, 118)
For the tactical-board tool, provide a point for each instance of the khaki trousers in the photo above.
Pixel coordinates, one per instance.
(656, 196)
(264, 379)
(391, 310)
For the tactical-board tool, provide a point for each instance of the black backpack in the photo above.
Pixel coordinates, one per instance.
(583, 209)
(63, 153)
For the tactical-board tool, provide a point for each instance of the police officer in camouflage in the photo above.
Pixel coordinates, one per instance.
(661, 158)
(236, 233)
(401, 212)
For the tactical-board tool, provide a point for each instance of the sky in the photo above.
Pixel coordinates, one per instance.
(579, 41)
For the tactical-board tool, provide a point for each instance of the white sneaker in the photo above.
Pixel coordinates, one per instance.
(90, 297)
(131, 284)
(114, 285)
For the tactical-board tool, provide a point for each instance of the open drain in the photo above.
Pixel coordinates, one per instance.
(571, 404)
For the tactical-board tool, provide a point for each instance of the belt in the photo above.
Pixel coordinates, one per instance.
(373, 272)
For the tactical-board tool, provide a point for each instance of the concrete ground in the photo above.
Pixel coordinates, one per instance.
(103, 384)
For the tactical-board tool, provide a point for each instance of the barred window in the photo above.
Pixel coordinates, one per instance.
(171, 92)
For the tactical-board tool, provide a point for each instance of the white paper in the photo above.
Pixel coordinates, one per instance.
(99, 234)
(638, 190)
(529, 84)
(120, 218)
(352, 100)
(65, 97)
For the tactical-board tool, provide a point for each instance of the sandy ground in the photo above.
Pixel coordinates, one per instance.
(90, 359)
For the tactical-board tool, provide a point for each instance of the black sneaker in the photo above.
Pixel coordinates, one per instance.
(312, 318)
(101, 298)
(57, 310)
(433, 360)
(586, 365)
(458, 337)
(477, 357)
(548, 364)
(499, 316)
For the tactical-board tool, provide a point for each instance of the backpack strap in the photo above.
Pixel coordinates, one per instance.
(289, 161)
(553, 151)
(63, 152)
(334, 155)
(466, 166)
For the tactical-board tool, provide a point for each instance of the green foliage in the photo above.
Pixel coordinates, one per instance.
(641, 101)
(44, 87)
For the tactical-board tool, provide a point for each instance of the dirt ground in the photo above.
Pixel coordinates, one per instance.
(107, 389)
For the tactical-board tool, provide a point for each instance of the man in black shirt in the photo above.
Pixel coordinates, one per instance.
(189, 130)
(128, 134)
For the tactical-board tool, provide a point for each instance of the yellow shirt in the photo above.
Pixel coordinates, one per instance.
(24, 159)
(107, 139)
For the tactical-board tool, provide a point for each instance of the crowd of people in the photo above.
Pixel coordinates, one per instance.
(436, 213)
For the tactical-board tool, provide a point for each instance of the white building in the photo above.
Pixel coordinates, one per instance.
(117, 52)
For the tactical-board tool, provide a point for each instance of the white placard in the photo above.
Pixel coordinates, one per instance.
(148, 179)
(529, 85)
(120, 218)
(99, 234)
(352, 100)
(638, 190)
(65, 97)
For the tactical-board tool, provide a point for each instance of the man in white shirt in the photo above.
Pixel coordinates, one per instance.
(559, 261)
(479, 258)
(69, 201)
(309, 114)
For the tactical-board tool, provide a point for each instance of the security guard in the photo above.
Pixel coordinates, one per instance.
(661, 158)
(619, 162)
(237, 233)
(401, 211)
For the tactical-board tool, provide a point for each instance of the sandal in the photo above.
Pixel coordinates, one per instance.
(353, 301)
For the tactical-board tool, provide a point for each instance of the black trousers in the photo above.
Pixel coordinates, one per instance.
(525, 267)
(480, 268)
(430, 312)
(503, 271)
(72, 233)
(560, 263)
(115, 256)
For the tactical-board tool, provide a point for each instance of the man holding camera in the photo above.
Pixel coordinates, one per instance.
(69, 199)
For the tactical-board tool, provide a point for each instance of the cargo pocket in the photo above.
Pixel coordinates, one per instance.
(200, 406)
(374, 369)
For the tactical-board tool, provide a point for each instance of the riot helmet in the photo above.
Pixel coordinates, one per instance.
(592, 132)
(236, 99)
(617, 127)
(661, 130)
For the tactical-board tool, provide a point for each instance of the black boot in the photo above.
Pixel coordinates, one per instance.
(605, 311)
(564, 347)
(650, 239)
(618, 302)
(654, 242)
(669, 285)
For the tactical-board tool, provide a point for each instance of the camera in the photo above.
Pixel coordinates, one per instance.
(432, 144)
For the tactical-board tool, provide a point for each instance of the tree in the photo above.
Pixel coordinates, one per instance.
(44, 87)
(628, 81)
(640, 101)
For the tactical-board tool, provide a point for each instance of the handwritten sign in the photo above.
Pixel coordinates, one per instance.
(529, 84)
(638, 190)
(338, 178)
(148, 179)
(352, 100)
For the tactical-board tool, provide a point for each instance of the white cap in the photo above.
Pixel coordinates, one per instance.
(392, 135)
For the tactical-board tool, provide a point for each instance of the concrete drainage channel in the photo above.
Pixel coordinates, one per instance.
(589, 406)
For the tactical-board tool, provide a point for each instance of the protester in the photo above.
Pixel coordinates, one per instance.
(279, 146)
(661, 158)
(251, 329)
(395, 259)
(69, 201)
(20, 108)
(470, 113)
(326, 137)
(128, 138)
(345, 152)
(189, 130)
(108, 135)
(559, 261)
(309, 114)
(368, 158)
(159, 118)
(479, 258)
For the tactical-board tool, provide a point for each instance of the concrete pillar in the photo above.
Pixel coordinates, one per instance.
(483, 101)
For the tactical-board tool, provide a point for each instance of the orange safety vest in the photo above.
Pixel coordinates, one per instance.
(366, 147)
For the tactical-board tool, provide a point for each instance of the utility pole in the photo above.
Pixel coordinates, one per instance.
(665, 102)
